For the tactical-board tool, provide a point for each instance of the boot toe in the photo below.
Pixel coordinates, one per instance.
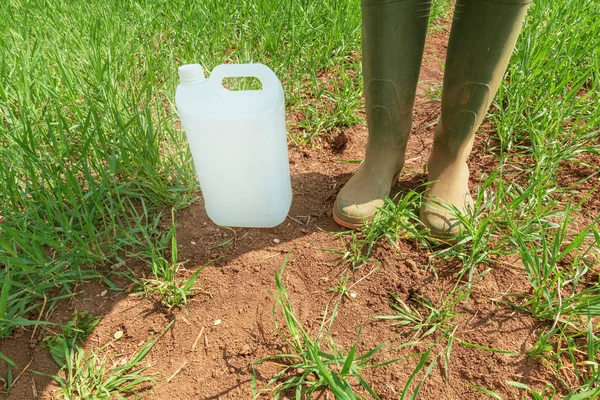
(353, 215)
(440, 219)
(441, 223)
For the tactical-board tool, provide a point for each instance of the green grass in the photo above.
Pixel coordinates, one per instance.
(315, 362)
(166, 285)
(397, 219)
(87, 374)
(427, 322)
(74, 333)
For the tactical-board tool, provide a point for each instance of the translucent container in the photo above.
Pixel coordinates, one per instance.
(238, 143)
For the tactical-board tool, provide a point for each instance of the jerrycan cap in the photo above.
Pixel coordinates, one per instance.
(191, 73)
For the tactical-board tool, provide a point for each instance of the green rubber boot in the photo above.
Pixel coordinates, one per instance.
(393, 41)
(482, 39)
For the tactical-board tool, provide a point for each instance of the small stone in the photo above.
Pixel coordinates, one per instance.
(246, 350)
(353, 295)
(217, 322)
(193, 242)
(32, 345)
(118, 335)
(276, 241)
(411, 264)
(257, 269)
(103, 293)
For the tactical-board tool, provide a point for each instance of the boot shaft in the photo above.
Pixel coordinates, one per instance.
(393, 42)
(482, 38)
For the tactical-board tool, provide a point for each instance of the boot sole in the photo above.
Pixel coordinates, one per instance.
(346, 224)
(339, 219)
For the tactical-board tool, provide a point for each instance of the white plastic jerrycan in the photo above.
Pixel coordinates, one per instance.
(238, 143)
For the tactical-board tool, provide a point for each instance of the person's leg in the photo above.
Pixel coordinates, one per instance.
(482, 38)
(392, 47)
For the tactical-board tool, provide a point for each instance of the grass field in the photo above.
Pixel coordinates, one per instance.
(93, 156)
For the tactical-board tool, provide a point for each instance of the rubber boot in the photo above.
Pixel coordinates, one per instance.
(482, 39)
(392, 46)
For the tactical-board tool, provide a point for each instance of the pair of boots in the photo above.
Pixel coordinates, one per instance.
(482, 38)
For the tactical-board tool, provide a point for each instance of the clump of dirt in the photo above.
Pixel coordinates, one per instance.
(338, 142)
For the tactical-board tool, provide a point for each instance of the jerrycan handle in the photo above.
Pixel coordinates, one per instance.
(270, 84)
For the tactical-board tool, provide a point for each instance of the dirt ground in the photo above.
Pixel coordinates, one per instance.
(241, 280)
